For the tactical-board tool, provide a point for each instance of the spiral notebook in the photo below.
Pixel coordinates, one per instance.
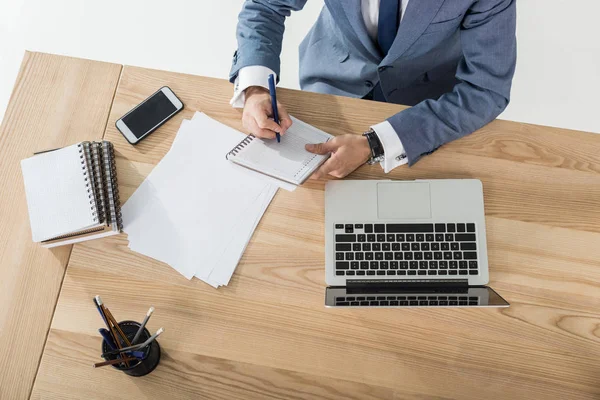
(288, 160)
(72, 194)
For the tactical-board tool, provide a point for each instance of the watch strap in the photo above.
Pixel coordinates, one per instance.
(377, 152)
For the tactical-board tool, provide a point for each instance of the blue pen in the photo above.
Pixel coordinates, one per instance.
(137, 354)
(273, 93)
(109, 341)
(112, 341)
(100, 311)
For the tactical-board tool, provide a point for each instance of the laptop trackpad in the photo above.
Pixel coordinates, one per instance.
(403, 200)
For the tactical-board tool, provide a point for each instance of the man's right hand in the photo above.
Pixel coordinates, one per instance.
(258, 112)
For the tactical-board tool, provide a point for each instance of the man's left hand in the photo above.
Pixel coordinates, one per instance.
(348, 152)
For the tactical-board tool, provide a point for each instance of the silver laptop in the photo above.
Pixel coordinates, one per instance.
(415, 243)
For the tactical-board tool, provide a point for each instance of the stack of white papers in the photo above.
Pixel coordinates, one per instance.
(196, 211)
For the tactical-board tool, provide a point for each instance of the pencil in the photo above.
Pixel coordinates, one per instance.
(113, 362)
(137, 346)
(111, 333)
(100, 311)
(142, 326)
(112, 326)
(117, 332)
(116, 325)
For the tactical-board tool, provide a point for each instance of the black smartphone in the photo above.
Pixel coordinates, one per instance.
(149, 115)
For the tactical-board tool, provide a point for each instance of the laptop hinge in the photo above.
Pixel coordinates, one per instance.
(407, 285)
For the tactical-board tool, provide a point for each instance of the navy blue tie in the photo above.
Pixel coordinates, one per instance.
(389, 19)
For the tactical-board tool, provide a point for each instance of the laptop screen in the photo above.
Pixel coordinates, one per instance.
(469, 297)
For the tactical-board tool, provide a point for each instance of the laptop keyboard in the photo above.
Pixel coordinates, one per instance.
(372, 250)
(406, 301)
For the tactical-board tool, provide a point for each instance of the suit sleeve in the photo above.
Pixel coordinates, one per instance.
(485, 73)
(260, 33)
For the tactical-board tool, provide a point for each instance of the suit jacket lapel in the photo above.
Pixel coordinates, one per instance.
(349, 17)
(419, 13)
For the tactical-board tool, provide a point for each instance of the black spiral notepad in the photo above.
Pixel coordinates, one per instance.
(72, 194)
(288, 161)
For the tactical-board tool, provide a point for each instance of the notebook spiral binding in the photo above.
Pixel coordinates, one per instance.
(90, 189)
(114, 201)
(95, 150)
(241, 145)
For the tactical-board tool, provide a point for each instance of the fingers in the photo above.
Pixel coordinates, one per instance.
(327, 168)
(338, 174)
(320, 148)
(264, 122)
(323, 148)
(284, 119)
(256, 115)
(347, 155)
(254, 129)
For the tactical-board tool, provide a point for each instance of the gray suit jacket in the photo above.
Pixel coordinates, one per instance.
(453, 60)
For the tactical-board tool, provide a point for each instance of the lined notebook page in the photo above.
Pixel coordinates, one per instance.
(57, 197)
(287, 160)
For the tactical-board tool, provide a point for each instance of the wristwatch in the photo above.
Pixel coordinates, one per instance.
(377, 154)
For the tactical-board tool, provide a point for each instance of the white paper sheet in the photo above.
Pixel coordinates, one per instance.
(230, 257)
(195, 207)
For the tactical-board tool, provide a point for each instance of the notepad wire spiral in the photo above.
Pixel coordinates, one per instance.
(113, 188)
(117, 198)
(89, 188)
(94, 150)
(241, 145)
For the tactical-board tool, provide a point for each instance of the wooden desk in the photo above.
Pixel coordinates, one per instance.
(56, 101)
(268, 335)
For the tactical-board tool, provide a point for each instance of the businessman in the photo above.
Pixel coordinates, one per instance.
(452, 60)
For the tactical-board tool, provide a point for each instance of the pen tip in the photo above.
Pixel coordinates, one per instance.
(98, 300)
(160, 330)
(150, 311)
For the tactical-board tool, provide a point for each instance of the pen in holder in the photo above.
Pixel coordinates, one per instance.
(146, 358)
(127, 346)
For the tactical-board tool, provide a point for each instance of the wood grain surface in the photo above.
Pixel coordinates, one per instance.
(57, 101)
(268, 335)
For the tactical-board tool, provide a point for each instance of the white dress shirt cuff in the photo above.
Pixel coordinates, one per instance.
(254, 75)
(392, 146)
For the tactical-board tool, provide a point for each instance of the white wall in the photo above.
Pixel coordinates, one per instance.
(11, 48)
(191, 36)
(557, 81)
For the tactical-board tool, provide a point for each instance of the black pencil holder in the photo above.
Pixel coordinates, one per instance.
(142, 366)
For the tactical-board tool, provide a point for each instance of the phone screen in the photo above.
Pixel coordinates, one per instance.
(149, 114)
